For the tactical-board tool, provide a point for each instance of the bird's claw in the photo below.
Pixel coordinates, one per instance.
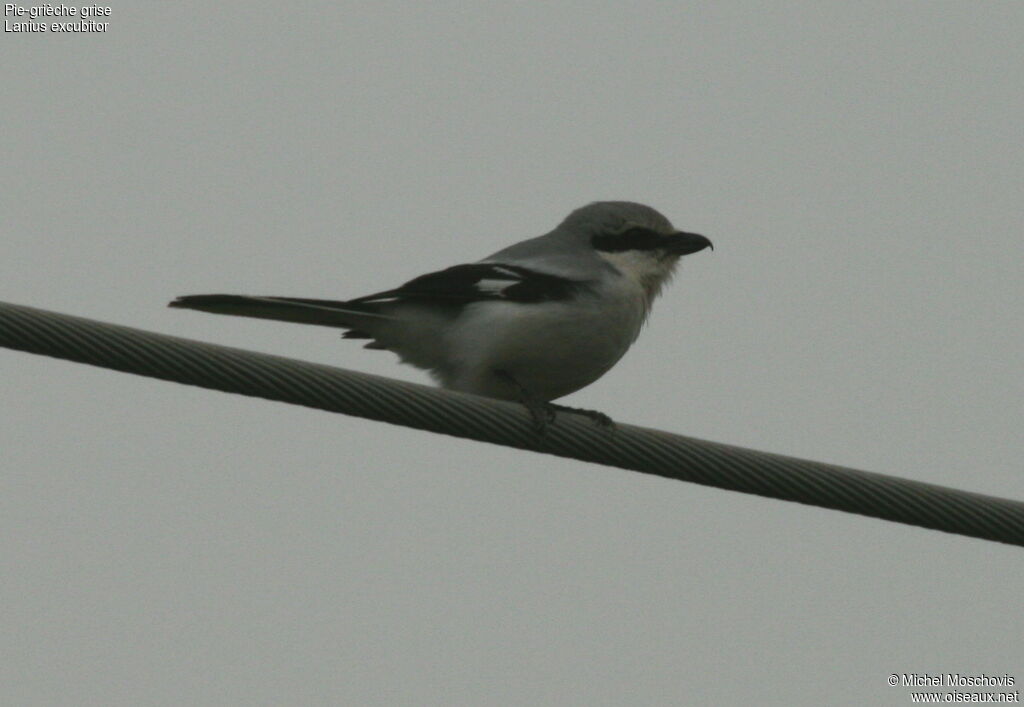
(599, 418)
(542, 414)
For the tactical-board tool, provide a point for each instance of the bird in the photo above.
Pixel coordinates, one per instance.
(531, 323)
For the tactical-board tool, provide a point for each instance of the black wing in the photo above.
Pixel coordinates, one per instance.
(478, 282)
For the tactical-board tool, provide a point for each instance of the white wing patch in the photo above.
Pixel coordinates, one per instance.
(496, 287)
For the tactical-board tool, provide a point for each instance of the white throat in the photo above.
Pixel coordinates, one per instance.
(647, 270)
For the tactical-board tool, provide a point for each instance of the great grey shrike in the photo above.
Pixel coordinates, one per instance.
(533, 322)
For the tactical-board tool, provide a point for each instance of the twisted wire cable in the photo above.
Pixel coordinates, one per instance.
(472, 417)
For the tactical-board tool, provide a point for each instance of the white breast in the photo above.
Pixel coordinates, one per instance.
(551, 348)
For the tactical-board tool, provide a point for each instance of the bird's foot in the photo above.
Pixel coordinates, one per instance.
(599, 418)
(543, 413)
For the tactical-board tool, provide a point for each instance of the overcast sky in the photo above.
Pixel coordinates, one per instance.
(859, 169)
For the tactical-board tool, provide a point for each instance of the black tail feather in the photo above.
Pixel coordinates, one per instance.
(289, 309)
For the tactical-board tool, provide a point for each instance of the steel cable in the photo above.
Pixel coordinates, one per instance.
(636, 448)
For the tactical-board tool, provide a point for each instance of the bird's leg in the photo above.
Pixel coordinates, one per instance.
(544, 412)
(541, 411)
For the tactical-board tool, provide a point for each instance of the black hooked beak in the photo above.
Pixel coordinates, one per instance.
(686, 243)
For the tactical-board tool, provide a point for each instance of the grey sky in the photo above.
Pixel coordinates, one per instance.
(858, 167)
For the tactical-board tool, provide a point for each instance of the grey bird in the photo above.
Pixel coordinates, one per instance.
(532, 323)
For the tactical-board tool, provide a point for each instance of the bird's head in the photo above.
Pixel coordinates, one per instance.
(634, 239)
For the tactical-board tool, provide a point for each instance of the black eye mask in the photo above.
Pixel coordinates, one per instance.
(631, 239)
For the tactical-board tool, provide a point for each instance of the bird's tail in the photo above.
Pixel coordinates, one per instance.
(343, 315)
